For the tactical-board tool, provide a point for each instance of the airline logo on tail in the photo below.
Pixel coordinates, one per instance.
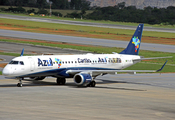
(136, 42)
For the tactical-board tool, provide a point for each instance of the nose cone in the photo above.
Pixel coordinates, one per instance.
(5, 71)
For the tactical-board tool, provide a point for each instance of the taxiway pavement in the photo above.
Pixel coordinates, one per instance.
(85, 41)
(36, 49)
(116, 97)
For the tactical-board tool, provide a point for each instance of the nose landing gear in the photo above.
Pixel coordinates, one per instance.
(20, 82)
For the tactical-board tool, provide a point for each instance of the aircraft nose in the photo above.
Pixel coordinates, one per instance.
(5, 72)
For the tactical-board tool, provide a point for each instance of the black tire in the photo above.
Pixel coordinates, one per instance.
(92, 84)
(19, 85)
(58, 81)
(61, 81)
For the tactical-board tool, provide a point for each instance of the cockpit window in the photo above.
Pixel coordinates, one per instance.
(14, 62)
(17, 62)
(21, 63)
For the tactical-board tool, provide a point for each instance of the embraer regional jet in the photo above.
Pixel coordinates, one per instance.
(82, 68)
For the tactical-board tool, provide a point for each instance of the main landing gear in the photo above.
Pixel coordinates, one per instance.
(20, 82)
(61, 81)
(91, 84)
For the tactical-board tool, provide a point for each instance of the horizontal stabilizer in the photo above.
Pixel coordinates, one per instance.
(151, 58)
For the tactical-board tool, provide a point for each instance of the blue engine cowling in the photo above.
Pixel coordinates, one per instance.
(82, 79)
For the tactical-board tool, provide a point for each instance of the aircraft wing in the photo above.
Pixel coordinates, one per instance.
(102, 72)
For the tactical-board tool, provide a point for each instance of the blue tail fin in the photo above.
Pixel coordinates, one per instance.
(22, 52)
(134, 44)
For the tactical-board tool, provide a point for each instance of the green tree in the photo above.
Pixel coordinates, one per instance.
(121, 5)
(41, 4)
(3, 2)
(80, 4)
(60, 4)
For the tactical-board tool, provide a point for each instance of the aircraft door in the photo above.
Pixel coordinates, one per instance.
(32, 63)
(123, 61)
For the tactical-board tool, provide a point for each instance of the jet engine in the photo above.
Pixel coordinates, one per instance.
(82, 79)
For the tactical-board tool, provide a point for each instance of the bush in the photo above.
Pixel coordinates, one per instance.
(73, 15)
(18, 9)
(56, 14)
(2, 9)
(42, 11)
(31, 11)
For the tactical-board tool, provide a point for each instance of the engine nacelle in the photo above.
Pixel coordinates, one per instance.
(82, 79)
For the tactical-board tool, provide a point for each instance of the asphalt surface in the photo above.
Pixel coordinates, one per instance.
(85, 41)
(116, 97)
(30, 18)
(36, 49)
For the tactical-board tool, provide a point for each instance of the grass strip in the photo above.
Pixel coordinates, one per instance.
(147, 66)
(10, 54)
(80, 29)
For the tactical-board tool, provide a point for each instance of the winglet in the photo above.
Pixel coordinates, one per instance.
(22, 52)
(162, 66)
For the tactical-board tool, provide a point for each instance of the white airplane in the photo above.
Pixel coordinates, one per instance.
(82, 68)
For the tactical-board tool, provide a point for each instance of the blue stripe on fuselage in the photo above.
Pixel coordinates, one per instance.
(61, 72)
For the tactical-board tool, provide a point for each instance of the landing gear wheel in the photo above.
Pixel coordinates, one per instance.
(20, 82)
(19, 85)
(61, 81)
(92, 84)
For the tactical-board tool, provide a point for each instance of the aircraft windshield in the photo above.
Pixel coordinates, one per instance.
(17, 62)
